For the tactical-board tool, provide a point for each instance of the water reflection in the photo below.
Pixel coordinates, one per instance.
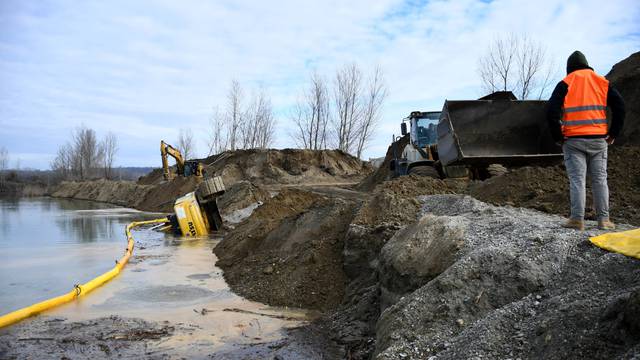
(47, 245)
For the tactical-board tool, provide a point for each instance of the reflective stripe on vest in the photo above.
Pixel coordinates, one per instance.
(585, 105)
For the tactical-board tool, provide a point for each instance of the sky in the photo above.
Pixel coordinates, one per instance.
(145, 69)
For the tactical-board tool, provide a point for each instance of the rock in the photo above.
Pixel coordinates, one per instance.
(417, 254)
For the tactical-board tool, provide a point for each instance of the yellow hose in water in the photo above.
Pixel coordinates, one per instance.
(78, 290)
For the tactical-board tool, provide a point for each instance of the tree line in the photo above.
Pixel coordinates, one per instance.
(85, 157)
(340, 113)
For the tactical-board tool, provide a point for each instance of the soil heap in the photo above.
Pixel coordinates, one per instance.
(244, 172)
(277, 167)
(625, 77)
(288, 252)
(547, 189)
(383, 172)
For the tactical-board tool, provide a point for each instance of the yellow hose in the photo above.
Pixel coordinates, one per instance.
(78, 290)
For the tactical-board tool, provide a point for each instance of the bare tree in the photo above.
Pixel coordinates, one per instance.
(348, 84)
(217, 141)
(62, 164)
(109, 148)
(311, 115)
(515, 63)
(375, 94)
(86, 151)
(234, 113)
(186, 144)
(263, 121)
(4, 162)
(496, 66)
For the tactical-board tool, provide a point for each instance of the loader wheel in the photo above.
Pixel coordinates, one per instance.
(428, 171)
(496, 170)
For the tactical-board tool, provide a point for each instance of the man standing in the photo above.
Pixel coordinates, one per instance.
(577, 116)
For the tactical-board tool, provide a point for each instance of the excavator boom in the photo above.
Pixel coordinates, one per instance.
(168, 150)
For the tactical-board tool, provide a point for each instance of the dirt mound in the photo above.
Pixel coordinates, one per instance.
(288, 166)
(161, 197)
(383, 172)
(547, 189)
(270, 167)
(625, 76)
(520, 287)
(288, 251)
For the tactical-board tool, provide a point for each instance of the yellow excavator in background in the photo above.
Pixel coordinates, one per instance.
(184, 167)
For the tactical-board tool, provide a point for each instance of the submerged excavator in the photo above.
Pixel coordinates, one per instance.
(184, 167)
(197, 213)
(475, 139)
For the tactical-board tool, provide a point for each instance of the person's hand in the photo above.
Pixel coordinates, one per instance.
(609, 139)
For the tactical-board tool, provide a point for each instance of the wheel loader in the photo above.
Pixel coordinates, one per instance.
(475, 139)
(197, 213)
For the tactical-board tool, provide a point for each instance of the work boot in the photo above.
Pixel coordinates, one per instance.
(574, 224)
(606, 224)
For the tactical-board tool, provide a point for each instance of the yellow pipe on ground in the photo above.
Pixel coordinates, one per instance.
(79, 290)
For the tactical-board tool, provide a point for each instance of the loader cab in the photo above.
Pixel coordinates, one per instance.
(423, 127)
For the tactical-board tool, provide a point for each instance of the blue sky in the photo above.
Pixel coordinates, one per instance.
(145, 69)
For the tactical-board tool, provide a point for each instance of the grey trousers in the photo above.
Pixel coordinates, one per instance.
(582, 156)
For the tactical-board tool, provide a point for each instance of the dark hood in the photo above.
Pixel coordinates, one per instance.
(577, 61)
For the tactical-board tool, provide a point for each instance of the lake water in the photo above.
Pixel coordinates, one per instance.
(48, 245)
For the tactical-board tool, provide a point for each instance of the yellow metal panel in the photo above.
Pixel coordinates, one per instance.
(190, 218)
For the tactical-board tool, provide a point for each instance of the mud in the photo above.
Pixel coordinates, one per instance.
(287, 252)
(107, 337)
(547, 189)
(383, 172)
(625, 77)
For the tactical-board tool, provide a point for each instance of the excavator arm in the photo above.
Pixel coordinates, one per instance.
(168, 150)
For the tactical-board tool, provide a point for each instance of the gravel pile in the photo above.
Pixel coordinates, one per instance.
(521, 287)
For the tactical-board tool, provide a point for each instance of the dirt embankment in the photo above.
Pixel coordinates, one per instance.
(278, 167)
(547, 189)
(252, 169)
(625, 77)
(288, 252)
(383, 172)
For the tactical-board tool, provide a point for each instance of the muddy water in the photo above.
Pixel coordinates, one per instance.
(47, 245)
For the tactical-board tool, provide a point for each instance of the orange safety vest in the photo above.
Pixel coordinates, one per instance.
(585, 105)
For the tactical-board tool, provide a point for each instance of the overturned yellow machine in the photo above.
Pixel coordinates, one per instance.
(197, 213)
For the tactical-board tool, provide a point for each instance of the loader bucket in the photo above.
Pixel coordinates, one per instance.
(508, 132)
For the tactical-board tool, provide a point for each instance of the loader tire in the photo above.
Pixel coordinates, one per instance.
(428, 171)
(496, 170)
